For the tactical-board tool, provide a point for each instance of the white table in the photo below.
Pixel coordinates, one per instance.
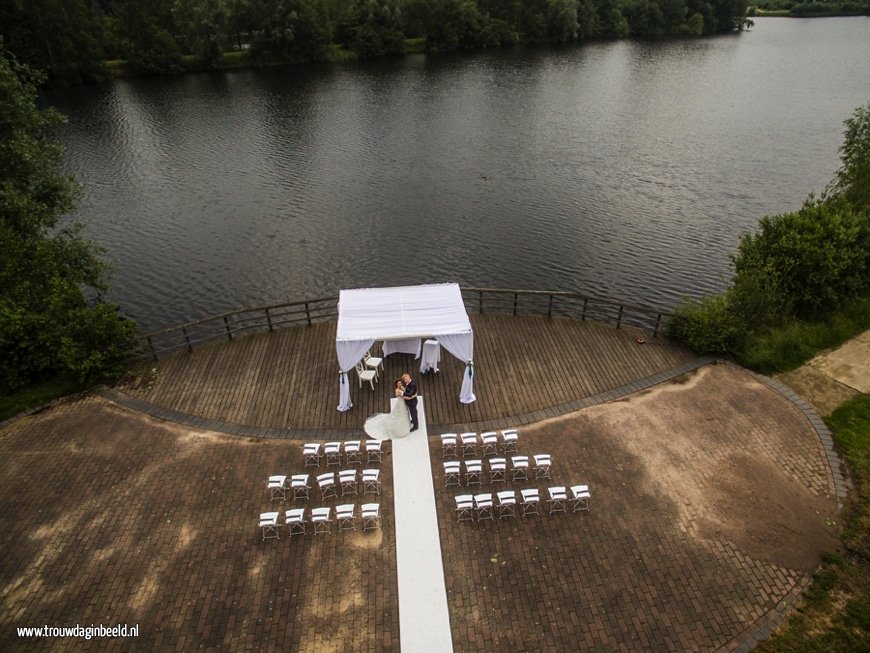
(409, 346)
(431, 356)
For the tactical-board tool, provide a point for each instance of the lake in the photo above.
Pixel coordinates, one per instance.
(626, 169)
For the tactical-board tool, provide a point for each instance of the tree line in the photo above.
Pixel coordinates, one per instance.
(70, 40)
(52, 317)
(812, 8)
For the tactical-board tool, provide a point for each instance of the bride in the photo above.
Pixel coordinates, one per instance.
(396, 423)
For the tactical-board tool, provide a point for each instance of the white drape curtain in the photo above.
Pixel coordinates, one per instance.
(408, 312)
(461, 345)
(350, 352)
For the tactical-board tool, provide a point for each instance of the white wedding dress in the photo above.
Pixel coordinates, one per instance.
(388, 426)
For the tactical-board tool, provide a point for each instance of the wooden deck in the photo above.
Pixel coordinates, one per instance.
(288, 379)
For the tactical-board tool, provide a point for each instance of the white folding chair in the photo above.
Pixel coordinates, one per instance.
(373, 451)
(366, 375)
(373, 362)
(507, 501)
(452, 473)
(448, 444)
(345, 517)
(469, 444)
(371, 481)
(277, 487)
(473, 472)
(311, 453)
(509, 438)
(371, 516)
(347, 481)
(497, 470)
(295, 518)
(542, 466)
(332, 450)
(483, 505)
(322, 520)
(489, 443)
(269, 524)
(352, 452)
(531, 499)
(464, 507)
(520, 468)
(580, 497)
(300, 487)
(558, 499)
(326, 482)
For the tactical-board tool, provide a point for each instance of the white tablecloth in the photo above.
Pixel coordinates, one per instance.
(410, 346)
(431, 356)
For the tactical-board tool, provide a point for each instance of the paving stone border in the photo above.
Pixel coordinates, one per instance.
(841, 481)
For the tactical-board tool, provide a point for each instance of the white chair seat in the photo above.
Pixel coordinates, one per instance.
(320, 517)
(366, 375)
(371, 481)
(558, 499)
(345, 517)
(300, 487)
(531, 499)
(295, 518)
(269, 524)
(277, 487)
(371, 516)
(580, 496)
(464, 507)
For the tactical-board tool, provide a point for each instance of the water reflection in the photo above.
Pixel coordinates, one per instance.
(627, 168)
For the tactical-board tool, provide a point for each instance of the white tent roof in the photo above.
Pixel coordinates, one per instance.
(401, 312)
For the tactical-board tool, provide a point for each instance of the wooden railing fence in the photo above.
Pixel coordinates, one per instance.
(227, 326)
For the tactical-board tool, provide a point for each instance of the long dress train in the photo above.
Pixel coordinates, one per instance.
(387, 426)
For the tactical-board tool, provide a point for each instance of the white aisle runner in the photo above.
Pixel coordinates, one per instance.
(424, 623)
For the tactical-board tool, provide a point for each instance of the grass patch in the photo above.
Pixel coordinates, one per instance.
(415, 46)
(236, 59)
(835, 613)
(337, 53)
(790, 346)
(38, 394)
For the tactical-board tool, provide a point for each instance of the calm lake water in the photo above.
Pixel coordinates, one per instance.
(624, 169)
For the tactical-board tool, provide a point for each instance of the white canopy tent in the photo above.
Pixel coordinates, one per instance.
(366, 315)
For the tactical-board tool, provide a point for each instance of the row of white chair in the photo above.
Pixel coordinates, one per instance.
(497, 469)
(471, 507)
(347, 482)
(313, 453)
(321, 519)
(490, 441)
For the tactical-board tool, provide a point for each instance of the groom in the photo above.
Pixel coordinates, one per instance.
(410, 398)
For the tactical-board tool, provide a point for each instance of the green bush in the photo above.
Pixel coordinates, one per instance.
(707, 326)
(805, 263)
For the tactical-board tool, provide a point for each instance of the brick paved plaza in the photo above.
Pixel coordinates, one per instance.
(712, 503)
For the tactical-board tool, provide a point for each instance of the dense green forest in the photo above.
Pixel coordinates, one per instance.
(70, 40)
(811, 8)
